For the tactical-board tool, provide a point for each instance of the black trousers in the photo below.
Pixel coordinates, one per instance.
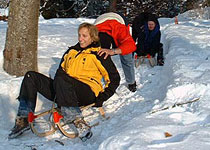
(65, 90)
(152, 52)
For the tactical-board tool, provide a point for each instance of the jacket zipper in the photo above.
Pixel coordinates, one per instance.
(78, 54)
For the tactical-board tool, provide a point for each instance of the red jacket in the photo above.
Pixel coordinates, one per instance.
(120, 33)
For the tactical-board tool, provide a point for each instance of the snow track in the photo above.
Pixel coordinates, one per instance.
(184, 76)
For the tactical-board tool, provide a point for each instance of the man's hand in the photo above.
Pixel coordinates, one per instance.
(105, 51)
(108, 52)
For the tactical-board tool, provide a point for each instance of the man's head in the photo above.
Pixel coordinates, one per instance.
(152, 22)
(151, 25)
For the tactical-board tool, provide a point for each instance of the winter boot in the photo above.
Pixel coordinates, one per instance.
(160, 62)
(21, 125)
(84, 130)
(132, 87)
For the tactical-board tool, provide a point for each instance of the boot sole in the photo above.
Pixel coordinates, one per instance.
(15, 135)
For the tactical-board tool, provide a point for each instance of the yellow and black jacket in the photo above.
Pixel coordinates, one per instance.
(86, 66)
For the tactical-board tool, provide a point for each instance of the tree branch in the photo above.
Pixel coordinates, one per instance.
(176, 104)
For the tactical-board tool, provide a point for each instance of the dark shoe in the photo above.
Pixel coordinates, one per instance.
(160, 62)
(21, 125)
(84, 130)
(132, 87)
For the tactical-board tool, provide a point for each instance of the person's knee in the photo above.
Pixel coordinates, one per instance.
(139, 53)
(30, 74)
(29, 77)
(160, 46)
(153, 52)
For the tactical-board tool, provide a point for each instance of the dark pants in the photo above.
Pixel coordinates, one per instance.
(152, 52)
(160, 52)
(66, 91)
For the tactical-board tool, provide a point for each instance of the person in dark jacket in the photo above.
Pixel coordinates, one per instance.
(139, 22)
(77, 82)
(146, 32)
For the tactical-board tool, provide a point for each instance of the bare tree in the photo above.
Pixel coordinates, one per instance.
(20, 53)
(113, 5)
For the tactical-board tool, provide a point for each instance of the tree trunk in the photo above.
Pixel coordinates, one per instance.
(113, 5)
(20, 53)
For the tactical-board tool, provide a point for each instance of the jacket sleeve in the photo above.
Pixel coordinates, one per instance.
(72, 47)
(62, 59)
(113, 76)
(125, 40)
(60, 71)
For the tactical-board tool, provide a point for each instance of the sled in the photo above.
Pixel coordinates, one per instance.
(140, 60)
(56, 123)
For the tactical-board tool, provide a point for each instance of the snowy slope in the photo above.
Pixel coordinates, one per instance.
(184, 77)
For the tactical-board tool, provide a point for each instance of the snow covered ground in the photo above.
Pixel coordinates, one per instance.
(185, 76)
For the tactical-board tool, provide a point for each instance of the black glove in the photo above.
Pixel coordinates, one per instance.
(98, 101)
(98, 104)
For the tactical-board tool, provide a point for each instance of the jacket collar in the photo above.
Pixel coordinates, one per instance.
(93, 47)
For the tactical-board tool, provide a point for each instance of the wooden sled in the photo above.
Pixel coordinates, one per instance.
(55, 121)
(140, 59)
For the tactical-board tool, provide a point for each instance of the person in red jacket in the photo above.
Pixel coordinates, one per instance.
(116, 39)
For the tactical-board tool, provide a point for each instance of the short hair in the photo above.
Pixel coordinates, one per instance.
(92, 30)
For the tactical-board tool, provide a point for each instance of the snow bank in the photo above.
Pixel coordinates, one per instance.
(184, 77)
